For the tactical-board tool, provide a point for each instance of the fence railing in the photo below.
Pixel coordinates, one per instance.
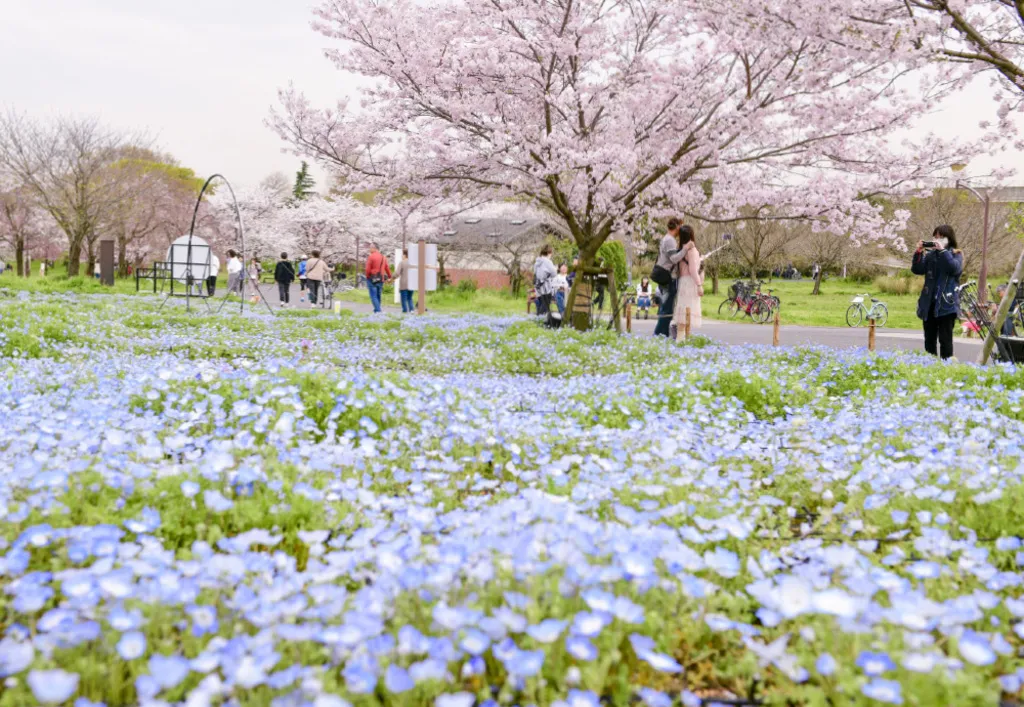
(159, 273)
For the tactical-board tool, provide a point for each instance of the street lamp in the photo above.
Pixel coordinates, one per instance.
(983, 272)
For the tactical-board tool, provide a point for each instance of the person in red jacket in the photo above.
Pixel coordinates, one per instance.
(377, 273)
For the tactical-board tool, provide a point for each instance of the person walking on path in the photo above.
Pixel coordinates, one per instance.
(544, 274)
(690, 285)
(211, 279)
(316, 272)
(284, 276)
(941, 263)
(302, 274)
(377, 272)
(234, 273)
(669, 255)
(404, 291)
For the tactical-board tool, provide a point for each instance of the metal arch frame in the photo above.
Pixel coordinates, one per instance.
(241, 236)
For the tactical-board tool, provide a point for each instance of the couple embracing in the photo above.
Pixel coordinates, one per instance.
(678, 273)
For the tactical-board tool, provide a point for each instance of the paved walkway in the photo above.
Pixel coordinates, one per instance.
(732, 332)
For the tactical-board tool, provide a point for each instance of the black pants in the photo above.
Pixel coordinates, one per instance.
(283, 289)
(543, 305)
(211, 284)
(302, 284)
(314, 290)
(939, 329)
(668, 304)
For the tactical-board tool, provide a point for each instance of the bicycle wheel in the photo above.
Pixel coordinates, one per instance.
(729, 307)
(880, 313)
(761, 311)
(854, 315)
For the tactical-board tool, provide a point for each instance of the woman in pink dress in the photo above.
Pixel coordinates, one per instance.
(690, 286)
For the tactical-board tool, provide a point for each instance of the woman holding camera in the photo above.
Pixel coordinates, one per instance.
(941, 263)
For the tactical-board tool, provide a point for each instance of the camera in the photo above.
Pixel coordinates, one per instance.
(928, 244)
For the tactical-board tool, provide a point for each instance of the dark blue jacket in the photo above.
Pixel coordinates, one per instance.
(941, 270)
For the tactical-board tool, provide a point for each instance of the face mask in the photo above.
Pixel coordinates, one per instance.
(944, 242)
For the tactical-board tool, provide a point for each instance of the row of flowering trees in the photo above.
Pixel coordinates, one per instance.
(604, 113)
(339, 227)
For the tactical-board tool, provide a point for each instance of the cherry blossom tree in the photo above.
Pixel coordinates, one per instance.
(155, 199)
(22, 225)
(984, 36)
(333, 227)
(62, 164)
(596, 111)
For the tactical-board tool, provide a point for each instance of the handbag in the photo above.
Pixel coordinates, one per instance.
(661, 276)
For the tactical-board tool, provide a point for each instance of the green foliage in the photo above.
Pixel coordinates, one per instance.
(305, 185)
(614, 255)
(898, 285)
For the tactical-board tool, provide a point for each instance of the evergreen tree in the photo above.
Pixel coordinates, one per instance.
(304, 183)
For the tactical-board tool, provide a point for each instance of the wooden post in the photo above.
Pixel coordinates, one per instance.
(871, 335)
(107, 262)
(629, 315)
(421, 272)
(775, 332)
(686, 331)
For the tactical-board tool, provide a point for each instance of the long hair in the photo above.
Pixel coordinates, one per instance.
(685, 235)
(946, 231)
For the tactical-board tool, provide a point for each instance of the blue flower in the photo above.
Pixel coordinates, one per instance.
(579, 698)
(168, 671)
(580, 648)
(874, 663)
(546, 631)
(655, 698)
(459, 699)
(15, 656)
(132, 645)
(825, 665)
(976, 649)
(888, 691)
(397, 680)
(52, 686)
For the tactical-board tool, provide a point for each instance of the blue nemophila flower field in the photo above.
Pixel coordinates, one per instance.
(321, 510)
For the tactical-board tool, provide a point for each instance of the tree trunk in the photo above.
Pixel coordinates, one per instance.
(19, 258)
(587, 255)
(714, 281)
(74, 257)
(122, 258)
(90, 258)
(817, 284)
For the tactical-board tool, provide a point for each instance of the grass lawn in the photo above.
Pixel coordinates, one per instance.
(828, 308)
(798, 305)
(453, 299)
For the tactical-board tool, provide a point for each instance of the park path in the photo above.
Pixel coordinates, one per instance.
(735, 333)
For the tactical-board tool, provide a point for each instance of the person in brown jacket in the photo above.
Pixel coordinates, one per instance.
(316, 272)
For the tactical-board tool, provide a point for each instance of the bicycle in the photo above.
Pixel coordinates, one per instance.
(857, 312)
(748, 298)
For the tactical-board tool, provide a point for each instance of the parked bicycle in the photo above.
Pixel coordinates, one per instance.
(747, 298)
(858, 312)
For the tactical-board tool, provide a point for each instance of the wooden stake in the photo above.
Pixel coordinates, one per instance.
(686, 331)
(629, 316)
(421, 272)
(775, 332)
(871, 335)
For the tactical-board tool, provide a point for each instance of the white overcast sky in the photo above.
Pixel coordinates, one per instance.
(201, 75)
